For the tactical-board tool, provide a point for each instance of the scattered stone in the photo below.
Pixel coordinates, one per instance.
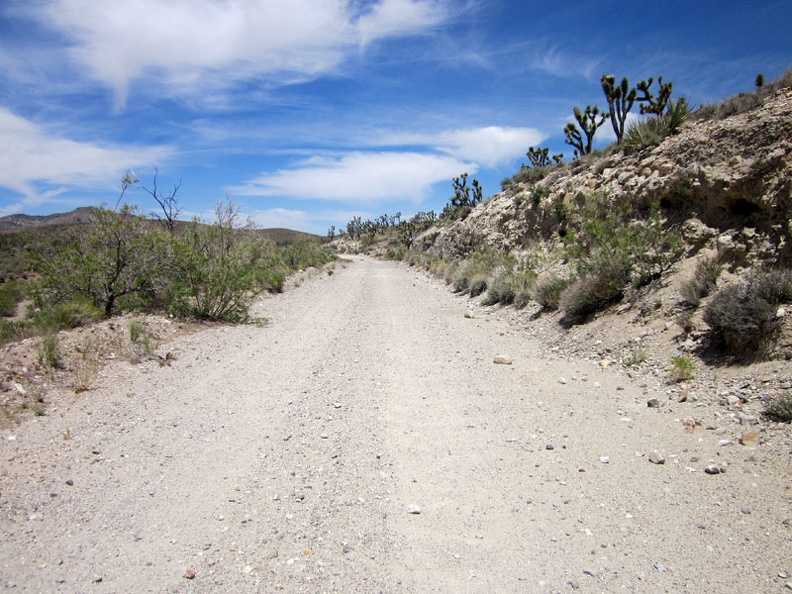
(604, 459)
(750, 439)
(337, 404)
(575, 585)
(733, 400)
(653, 403)
(720, 431)
(724, 442)
(414, 509)
(70, 482)
(324, 436)
(562, 380)
(712, 469)
(190, 574)
(549, 446)
(656, 458)
(502, 360)
(589, 572)
(748, 420)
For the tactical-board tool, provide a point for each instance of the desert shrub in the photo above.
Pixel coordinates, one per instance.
(682, 367)
(116, 264)
(703, 281)
(11, 293)
(654, 130)
(620, 245)
(303, 254)
(526, 175)
(65, 315)
(500, 289)
(744, 316)
(740, 103)
(478, 284)
(217, 270)
(590, 294)
(475, 270)
(49, 350)
(15, 330)
(548, 289)
(537, 193)
(780, 408)
(510, 286)
(143, 340)
(612, 248)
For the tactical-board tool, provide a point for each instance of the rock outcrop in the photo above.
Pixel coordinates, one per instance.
(726, 183)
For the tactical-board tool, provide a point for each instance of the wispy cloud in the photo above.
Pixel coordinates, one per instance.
(359, 178)
(558, 62)
(39, 165)
(194, 44)
(488, 146)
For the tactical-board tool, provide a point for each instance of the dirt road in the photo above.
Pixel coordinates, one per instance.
(295, 457)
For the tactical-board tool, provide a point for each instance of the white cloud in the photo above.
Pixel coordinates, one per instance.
(37, 164)
(194, 43)
(489, 146)
(359, 178)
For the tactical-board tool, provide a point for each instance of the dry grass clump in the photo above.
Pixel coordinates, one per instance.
(745, 317)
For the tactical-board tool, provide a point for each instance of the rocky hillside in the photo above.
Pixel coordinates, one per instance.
(727, 182)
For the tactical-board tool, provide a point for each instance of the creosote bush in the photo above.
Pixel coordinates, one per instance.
(613, 248)
(744, 317)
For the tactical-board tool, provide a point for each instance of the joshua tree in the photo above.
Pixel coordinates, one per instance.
(759, 81)
(620, 101)
(540, 157)
(650, 104)
(588, 120)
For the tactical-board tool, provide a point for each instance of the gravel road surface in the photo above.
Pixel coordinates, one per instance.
(365, 440)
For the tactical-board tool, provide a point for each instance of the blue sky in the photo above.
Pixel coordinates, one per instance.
(308, 112)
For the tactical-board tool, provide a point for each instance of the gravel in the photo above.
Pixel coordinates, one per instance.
(363, 441)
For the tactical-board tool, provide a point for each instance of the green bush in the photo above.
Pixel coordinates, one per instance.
(682, 367)
(471, 274)
(49, 350)
(116, 263)
(15, 330)
(780, 408)
(510, 287)
(614, 247)
(65, 315)
(217, 270)
(743, 317)
(11, 293)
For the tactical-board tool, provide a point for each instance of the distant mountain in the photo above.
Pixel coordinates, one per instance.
(82, 215)
(18, 222)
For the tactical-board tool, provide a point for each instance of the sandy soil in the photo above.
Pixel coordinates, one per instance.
(366, 441)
